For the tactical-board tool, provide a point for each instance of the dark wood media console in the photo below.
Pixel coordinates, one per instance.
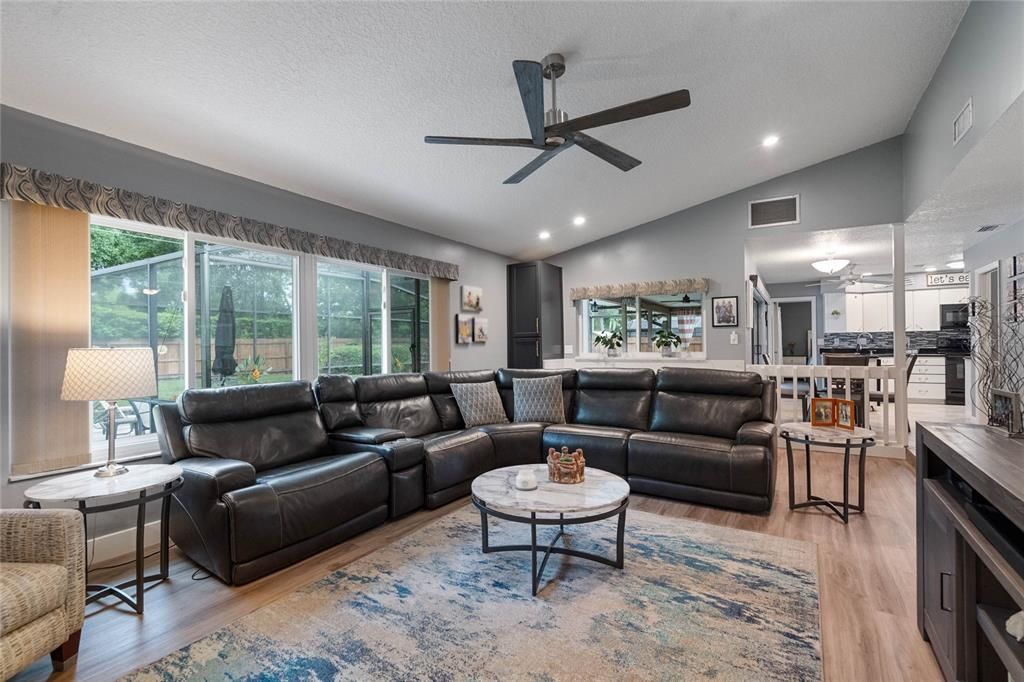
(970, 548)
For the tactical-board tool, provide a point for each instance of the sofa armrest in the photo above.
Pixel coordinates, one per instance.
(757, 433)
(367, 435)
(211, 478)
(49, 536)
(398, 454)
(167, 423)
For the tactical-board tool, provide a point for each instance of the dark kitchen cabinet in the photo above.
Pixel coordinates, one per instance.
(534, 314)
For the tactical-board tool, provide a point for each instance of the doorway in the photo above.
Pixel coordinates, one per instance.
(797, 331)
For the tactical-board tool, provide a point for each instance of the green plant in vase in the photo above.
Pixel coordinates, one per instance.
(610, 340)
(665, 340)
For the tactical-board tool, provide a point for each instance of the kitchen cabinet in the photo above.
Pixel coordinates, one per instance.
(534, 314)
(957, 295)
(876, 312)
(926, 310)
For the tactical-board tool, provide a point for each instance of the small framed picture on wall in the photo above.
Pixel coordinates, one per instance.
(472, 298)
(479, 330)
(463, 329)
(725, 311)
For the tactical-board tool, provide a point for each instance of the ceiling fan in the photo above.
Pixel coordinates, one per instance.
(553, 131)
(851, 278)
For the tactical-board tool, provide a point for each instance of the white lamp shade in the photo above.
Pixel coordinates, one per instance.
(109, 374)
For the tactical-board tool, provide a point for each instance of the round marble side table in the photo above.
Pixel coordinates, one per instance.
(152, 482)
(600, 496)
(803, 433)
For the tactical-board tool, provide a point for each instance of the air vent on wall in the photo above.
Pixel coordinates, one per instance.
(776, 211)
(988, 228)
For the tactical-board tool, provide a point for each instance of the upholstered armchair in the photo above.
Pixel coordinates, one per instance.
(42, 587)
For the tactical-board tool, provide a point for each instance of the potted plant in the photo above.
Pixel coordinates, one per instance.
(251, 370)
(610, 340)
(666, 339)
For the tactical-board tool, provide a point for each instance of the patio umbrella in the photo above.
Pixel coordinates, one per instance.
(224, 339)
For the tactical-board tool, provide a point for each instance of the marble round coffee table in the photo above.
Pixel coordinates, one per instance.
(803, 433)
(600, 496)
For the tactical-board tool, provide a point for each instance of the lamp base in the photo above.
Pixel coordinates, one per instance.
(111, 469)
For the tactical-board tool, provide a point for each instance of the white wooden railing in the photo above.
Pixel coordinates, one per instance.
(888, 419)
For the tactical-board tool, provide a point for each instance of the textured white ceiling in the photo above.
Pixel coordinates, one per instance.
(985, 188)
(332, 100)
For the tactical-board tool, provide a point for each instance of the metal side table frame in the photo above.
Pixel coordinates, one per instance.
(842, 508)
(96, 592)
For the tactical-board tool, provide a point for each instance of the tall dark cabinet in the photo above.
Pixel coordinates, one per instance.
(534, 314)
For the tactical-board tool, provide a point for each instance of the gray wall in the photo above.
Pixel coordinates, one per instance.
(859, 188)
(51, 146)
(985, 62)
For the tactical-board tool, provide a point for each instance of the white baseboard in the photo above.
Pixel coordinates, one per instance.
(121, 544)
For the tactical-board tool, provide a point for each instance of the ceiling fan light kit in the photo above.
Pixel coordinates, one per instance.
(552, 131)
(830, 266)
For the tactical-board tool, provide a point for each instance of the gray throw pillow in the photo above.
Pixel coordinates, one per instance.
(538, 400)
(479, 403)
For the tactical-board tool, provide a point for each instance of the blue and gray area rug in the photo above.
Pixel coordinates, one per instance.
(694, 602)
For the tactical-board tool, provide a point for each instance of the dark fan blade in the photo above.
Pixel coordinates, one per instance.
(487, 141)
(620, 160)
(523, 172)
(627, 112)
(530, 78)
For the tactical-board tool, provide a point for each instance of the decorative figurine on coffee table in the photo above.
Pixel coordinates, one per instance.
(565, 466)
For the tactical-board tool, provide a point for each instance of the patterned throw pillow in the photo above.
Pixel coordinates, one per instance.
(479, 403)
(538, 400)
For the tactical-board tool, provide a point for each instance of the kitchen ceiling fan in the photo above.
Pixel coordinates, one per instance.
(851, 278)
(553, 131)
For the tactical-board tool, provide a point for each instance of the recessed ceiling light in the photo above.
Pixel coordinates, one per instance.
(930, 268)
(956, 265)
(770, 141)
(867, 274)
(545, 235)
(578, 220)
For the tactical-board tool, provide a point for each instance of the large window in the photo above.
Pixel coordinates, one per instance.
(214, 312)
(348, 306)
(136, 288)
(245, 315)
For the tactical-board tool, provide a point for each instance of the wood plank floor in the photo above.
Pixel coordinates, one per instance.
(866, 573)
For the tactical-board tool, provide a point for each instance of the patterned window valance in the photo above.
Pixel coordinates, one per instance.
(47, 189)
(665, 287)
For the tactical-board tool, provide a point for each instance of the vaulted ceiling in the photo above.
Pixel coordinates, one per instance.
(332, 100)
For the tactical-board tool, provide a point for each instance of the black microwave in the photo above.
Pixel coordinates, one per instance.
(953, 315)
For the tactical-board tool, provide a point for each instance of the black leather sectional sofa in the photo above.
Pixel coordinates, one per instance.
(275, 473)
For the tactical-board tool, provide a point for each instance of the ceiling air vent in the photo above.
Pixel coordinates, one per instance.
(988, 228)
(777, 211)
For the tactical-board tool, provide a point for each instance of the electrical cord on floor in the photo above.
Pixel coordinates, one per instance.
(90, 567)
(196, 572)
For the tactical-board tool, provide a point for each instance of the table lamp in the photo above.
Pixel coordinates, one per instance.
(109, 374)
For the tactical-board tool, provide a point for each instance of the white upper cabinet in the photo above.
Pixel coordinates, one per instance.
(873, 311)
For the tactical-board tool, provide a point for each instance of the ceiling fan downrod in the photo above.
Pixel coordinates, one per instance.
(554, 68)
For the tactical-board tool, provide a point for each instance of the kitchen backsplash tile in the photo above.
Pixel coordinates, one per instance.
(915, 339)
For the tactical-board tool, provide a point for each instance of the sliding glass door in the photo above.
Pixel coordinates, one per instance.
(410, 324)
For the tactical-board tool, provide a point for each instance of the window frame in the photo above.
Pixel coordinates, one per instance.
(584, 333)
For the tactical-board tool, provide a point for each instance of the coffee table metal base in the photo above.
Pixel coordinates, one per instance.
(538, 571)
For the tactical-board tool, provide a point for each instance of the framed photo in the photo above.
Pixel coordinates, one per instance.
(725, 311)
(823, 412)
(463, 329)
(472, 298)
(479, 330)
(846, 414)
(1005, 411)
